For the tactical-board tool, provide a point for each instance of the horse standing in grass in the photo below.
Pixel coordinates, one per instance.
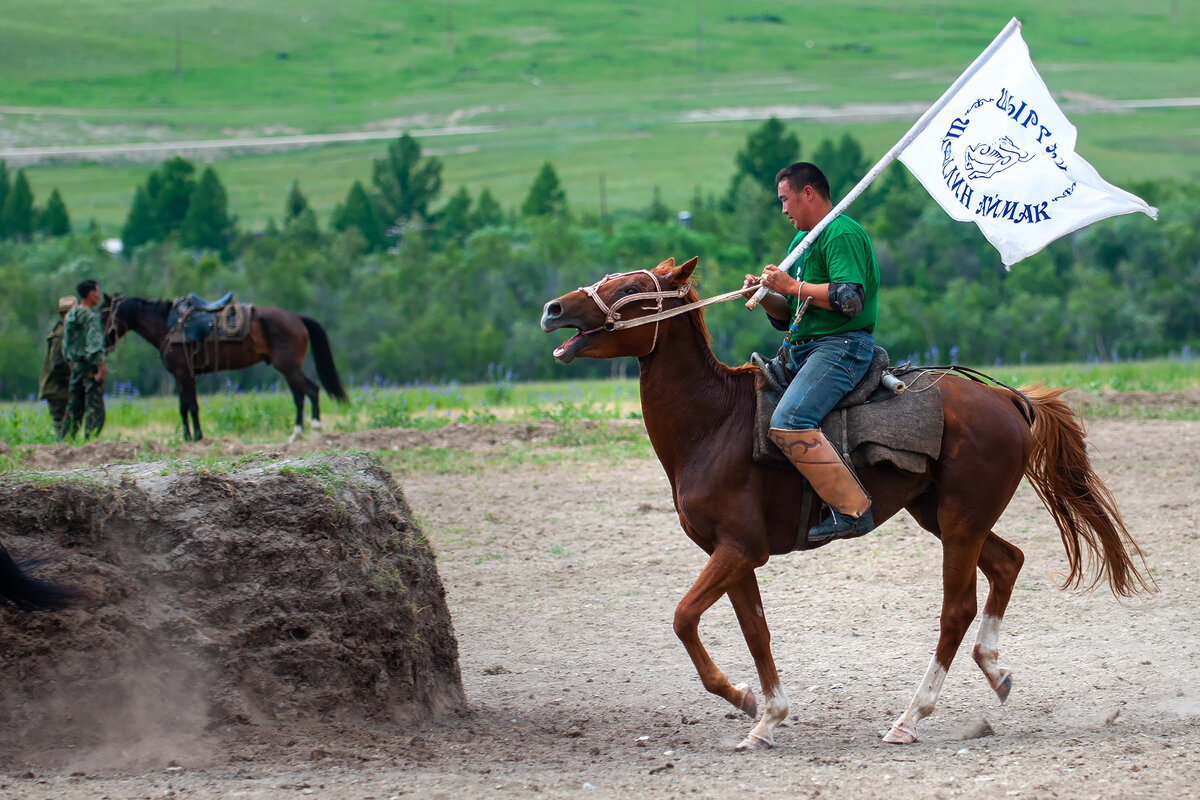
(276, 336)
(699, 415)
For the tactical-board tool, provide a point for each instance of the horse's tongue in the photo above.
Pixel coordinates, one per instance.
(562, 348)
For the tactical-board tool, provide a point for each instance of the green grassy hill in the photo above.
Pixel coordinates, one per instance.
(607, 91)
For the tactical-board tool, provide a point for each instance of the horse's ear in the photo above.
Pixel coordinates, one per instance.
(686, 269)
(670, 262)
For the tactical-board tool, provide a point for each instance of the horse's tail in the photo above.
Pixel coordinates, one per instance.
(326, 370)
(1082, 506)
(27, 592)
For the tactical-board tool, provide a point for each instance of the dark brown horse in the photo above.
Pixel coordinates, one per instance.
(277, 337)
(29, 593)
(699, 415)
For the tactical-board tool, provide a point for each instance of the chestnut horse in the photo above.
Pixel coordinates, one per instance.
(29, 593)
(277, 337)
(699, 414)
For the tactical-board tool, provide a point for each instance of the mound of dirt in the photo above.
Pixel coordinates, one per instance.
(268, 594)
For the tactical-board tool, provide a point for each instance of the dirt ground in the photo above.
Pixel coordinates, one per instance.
(561, 581)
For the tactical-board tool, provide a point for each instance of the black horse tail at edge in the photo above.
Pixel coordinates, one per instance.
(326, 370)
(28, 593)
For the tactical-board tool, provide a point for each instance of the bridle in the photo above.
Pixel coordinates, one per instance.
(110, 325)
(612, 316)
(612, 319)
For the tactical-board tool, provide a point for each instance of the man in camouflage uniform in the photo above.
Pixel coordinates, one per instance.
(55, 380)
(83, 348)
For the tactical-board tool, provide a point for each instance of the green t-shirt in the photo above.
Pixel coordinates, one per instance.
(841, 254)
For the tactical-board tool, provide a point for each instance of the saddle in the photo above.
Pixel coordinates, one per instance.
(870, 425)
(192, 319)
(200, 304)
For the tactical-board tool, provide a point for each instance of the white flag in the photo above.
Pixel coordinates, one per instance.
(1000, 153)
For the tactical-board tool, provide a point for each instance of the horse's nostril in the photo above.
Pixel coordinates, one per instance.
(553, 309)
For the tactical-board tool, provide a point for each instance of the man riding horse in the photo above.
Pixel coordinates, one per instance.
(828, 349)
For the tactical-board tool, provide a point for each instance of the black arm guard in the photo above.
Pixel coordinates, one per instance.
(846, 298)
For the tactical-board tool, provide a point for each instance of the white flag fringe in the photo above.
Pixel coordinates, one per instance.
(1000, 153)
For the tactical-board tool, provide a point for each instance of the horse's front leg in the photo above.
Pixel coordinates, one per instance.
(747, 604)
(723, 571)
(185, 386)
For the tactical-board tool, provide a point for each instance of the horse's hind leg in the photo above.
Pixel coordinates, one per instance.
(1001, 562)
(314, 396)
(298, 383)
(960, 555)
(747, 604)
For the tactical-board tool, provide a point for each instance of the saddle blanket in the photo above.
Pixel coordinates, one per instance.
(903, 429)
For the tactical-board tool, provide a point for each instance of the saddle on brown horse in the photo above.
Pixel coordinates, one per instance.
(192, 319)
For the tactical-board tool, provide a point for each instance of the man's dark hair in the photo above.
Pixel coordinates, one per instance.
(84, 287)
(803, 174)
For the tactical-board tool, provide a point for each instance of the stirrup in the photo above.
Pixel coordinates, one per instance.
(841, 526)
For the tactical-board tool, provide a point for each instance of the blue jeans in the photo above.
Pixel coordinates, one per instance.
(824, 370)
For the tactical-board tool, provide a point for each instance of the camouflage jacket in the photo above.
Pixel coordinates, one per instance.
(83, 336)
(56, 372)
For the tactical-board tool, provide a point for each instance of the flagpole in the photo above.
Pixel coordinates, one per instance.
(920, 125)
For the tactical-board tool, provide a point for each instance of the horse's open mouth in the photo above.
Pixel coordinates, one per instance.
(565, 352)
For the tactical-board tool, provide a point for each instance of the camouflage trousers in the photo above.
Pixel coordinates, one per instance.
(85, 403)
(58, 411)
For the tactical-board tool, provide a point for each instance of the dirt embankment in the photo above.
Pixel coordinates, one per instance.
(220, 607)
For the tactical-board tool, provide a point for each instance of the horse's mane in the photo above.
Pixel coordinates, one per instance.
(697, 317)
(136, 306)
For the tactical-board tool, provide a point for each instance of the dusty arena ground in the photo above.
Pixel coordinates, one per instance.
(562, 580)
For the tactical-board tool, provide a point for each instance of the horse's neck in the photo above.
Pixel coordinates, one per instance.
(687, 394)
(150, 324)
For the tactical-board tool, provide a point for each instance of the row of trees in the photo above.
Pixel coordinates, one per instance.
(415, 288)
(20, 218)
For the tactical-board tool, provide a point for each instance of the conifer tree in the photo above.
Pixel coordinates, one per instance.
(546, 196)
(406, 184)
(140, 224)
(768, 149)
(357, 212)
(170, 190)
(488, 213)
(207, 225)
(16, 218)
(4, 190)
(454, 220)
(295, 204)
(54, 219)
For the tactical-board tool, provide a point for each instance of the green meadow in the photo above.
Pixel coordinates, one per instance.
(266, 416)
(606, 91)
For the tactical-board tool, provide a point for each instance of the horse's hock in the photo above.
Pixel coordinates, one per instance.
(221, 598)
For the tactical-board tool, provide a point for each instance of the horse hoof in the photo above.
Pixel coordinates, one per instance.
(899, 735)
(1004, 687)
(749, 705)
(752, 742)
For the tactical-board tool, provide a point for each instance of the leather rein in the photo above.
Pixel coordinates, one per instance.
(612, 317)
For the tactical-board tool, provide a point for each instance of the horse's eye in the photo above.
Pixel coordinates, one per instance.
(630, 290)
